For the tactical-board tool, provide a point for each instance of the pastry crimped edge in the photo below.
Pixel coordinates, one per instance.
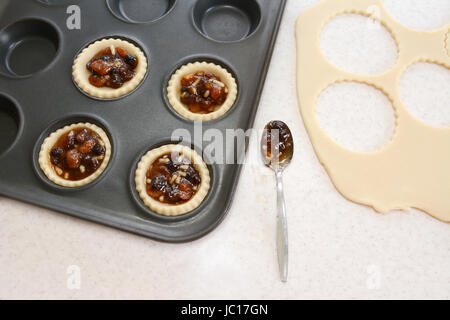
(48, 168)
(81, 74)
(174, 88)
(164, 208)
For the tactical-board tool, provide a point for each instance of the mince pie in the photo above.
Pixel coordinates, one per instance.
(172, 180)
(75, 155)
(202, 91)
(109, 68)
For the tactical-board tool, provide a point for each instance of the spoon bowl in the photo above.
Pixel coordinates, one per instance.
(277, 145)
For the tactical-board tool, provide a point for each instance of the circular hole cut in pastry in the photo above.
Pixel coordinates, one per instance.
(109, 68)
(202, 91)
(419, 15)
(75, 155)
(423, 88)
(172, 180)
(357, 116)
(358, 44)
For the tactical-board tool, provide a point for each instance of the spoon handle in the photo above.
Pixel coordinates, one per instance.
(282, 233)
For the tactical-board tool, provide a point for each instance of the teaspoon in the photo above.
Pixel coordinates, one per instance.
(277, 147)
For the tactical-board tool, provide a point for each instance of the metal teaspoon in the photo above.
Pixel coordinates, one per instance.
(277, 148)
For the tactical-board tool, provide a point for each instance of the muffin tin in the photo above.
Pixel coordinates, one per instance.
(38, 96)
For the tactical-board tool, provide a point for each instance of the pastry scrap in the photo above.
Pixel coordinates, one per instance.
(75, 155)
(109, 68)
(172, 180)
(202, 91)
(413, 170)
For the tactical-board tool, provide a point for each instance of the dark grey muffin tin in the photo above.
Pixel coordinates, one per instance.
(38, 96)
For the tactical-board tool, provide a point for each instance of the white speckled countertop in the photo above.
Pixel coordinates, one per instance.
(338, 249)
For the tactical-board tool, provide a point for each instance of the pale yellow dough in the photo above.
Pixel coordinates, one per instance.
(174, 90)
(447, 42)
(81, 74)
(48, 168)
(164, 208)
(413, 170)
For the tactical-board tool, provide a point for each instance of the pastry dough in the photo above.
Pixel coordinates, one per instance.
(165, 208)
(174, 90)
(413, 170)
(447, 42)
(48, 168)
(81, 73)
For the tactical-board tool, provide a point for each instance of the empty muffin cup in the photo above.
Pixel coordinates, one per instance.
(10, 121)
(27, 46)
(55, 2)
(140, 11)
(227, 20)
